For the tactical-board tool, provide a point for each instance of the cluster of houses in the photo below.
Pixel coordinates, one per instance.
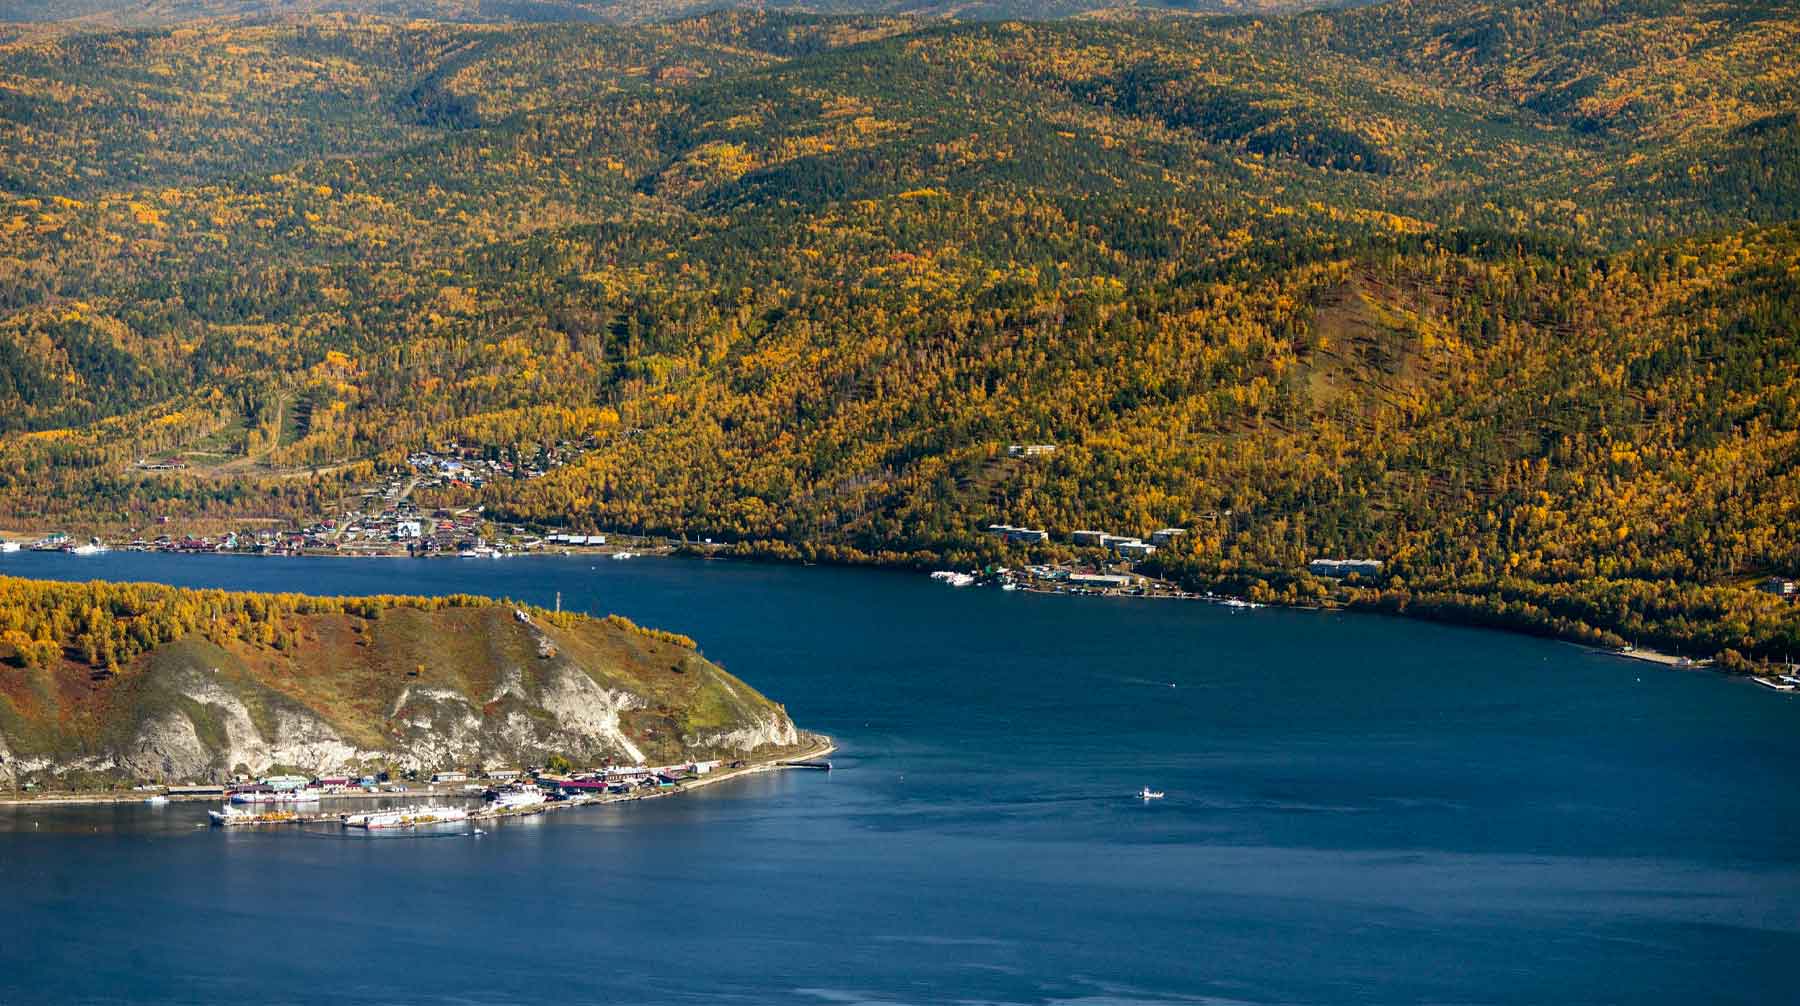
(1340, 568)
(1781, 587)
(1019, 535)
(592, 782)
(1097, 578)
(242, 785)
(1059, 576)
(396, 529)
(620, 779)
(259, 541)
(1128, 546)
(575, 539)
(441, 531)
(455, 464)
(349, 783)
(1124, 546)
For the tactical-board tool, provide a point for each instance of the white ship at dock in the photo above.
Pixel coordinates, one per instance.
(276, 796)
(406, 817)
(230, 816)
(516, 797)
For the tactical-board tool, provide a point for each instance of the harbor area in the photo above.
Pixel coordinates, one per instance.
(455, 798)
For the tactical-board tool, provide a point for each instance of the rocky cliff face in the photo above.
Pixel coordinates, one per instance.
(404, 690)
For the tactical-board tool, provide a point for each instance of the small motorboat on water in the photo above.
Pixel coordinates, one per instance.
(157, 801)
(1150, 794)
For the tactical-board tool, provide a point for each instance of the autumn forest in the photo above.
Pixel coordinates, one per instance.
(1503, 292)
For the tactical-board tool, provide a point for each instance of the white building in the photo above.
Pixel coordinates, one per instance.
(1344, 567)
(1102, 580)
(1021, 535)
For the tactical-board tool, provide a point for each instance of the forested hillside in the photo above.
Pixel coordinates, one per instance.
(1504, 293)
(62, 15)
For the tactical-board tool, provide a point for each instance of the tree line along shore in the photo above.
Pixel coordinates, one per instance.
(800, 284)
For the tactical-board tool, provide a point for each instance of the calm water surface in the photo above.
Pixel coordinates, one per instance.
(1359, 810)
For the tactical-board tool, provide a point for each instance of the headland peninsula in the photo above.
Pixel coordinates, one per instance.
(109, 688)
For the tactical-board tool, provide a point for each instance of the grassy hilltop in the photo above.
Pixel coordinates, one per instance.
(1502, 292)
(107, 681)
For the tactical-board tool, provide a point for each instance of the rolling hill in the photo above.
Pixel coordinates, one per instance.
(1502, 292)
(104, 682)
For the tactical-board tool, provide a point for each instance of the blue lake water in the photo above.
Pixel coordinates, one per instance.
(1359, 810)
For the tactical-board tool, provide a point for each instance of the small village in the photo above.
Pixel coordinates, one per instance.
(450, 795)
(384, 520)
(1114, 566)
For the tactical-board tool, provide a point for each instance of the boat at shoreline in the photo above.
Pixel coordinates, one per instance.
(276, 796)
(406, 817)
(233, 816)
(516, 797)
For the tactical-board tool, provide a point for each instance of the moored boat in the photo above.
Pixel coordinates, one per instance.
(515, 797)
(261, 795)
(406, 817)
(230, 816)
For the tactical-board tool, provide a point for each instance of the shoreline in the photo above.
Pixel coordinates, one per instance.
(603, 552)
(1668, 660)
(825, 747)
(720, 552)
